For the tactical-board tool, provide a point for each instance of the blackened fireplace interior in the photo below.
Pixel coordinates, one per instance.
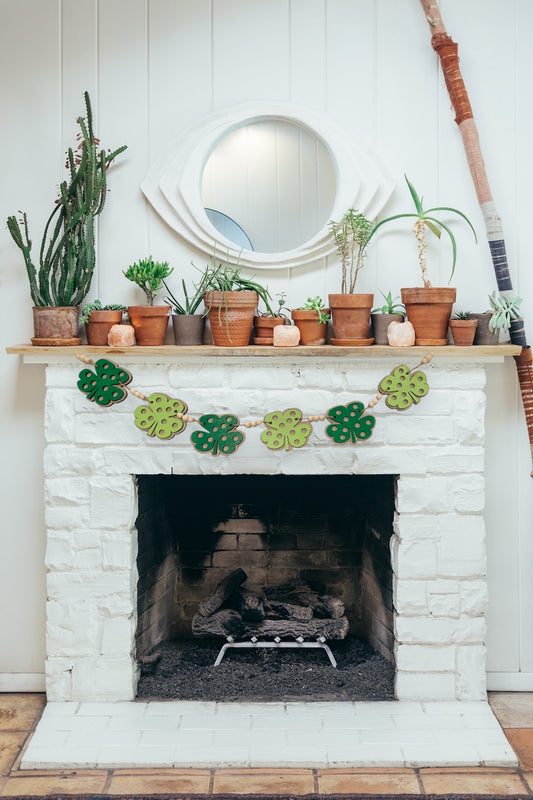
(331, 533)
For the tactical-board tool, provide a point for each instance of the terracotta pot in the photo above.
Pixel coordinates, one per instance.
(380, 324)
(463, 331)
(312, 331)
(483, 335)
(55, 326)
(150, 324)
(264, 329)
(188, 329)
(429, 311)
(99, 324)
(350, 315)
(231, 316)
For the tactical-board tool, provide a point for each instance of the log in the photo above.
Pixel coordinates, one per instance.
(291, 629)
(225, 589)
(324, 605)
(250, 605)
(277, 609)
(222, 623)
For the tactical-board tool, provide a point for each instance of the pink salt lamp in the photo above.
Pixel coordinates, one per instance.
(401, 334)
(286, 336)
(121, 336)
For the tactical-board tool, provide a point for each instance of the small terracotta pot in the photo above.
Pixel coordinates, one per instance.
(150, 324)
(188, 329)
(429, 310)
(55, 325)
(380, 324)
(264, 329)
(231, 316)
(312, 331)
(350, 315)
(463, 331)
(99, 324)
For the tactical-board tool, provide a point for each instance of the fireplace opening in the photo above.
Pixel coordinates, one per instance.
(328, 536)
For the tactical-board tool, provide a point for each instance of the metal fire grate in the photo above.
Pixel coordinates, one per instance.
(298, 643)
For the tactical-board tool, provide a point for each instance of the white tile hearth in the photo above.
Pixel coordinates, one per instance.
(189, 734)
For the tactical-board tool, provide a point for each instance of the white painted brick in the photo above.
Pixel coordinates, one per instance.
(439, 630)
(425, 685)
(58, 679)
(419, 430)
(416, 527)
(118, 551)
(105, 426)
(468, 493)
(58, 416)
(445, 586)
(471, 672)
(71, 630)
(112, 502)
(444, 605)
(382, 459)
(410, 597)
(474, 597)
(187, 376)
(59, 554)
(64, 376)
(103, 678)
(469, 415)
(455, 460)
(426, 495)
(457, 376)
(71, 587)
(325, 377)
(422, 658)
(64, 459)
(414, 560)
(118, 636)
(66, 491)
(66, 517)
(461, 550)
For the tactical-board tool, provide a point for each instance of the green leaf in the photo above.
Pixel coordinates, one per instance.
(219, 436)
(285, 429)
(349, 423)
(159, 418)
(104, 386)
(403, 388)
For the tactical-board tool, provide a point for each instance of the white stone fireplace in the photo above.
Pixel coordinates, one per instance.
(436, 448)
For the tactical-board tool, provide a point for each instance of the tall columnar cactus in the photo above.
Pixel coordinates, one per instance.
(67, 253)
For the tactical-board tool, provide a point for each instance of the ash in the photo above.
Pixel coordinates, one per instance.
(185, 671)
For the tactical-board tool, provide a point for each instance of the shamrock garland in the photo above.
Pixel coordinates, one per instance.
(164, 417)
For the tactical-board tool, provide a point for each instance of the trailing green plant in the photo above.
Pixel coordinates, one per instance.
(318, 305)
(426, 219)
(191, 302)
(96, 305)
(352, 234)
(506, 309)
(67, 252)
(149, 276)
(462, 315)
(390, 305)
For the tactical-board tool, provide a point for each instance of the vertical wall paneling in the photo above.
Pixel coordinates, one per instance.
(308, 53)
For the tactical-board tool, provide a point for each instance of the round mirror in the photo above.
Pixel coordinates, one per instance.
(321, 173)
(269, 186)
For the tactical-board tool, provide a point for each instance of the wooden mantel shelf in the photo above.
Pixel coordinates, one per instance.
(177, 353)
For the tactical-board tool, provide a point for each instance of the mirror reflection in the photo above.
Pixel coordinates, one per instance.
(269, 186)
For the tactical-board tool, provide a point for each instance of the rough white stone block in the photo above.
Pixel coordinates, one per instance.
(444, 605)
(419, 430)
(66, 517)
(118, 636)
(425, 685)
(105, 426)
(427, 495)
(58, 416)
(71, 630)
(66, 491)
(416, 527)
(118, 550)
(58, 679)
(425, 658)
(64, 459)
(461, 549)
(410, 597)
(459, 376)
(103, 678)
(468, 492)
(414, 560)
(469, 415)
(376, 457)
(439, 630)
(113, 501)
(455, 459)
(326, 376)
(474, 597)
(59, 554)
(73, 587)
(471, 672)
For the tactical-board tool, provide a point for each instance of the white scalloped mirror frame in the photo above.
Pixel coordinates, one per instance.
(173, 185)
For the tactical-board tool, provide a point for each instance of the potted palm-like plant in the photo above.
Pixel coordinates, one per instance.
(188, 326)
(428, 307)
(351, 311)
(62, 278)
(150, 322)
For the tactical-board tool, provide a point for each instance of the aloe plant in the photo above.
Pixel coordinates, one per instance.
(65, 269)
(426, 219)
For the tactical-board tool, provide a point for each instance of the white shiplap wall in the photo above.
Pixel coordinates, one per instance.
(153, 68)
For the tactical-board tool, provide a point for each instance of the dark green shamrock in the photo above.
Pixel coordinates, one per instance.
(106, 385)
(349, 424)
(159, 418)
(220, 435)
(286, 429)
(403, 387)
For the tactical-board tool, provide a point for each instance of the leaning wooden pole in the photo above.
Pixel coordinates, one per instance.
(447, 50)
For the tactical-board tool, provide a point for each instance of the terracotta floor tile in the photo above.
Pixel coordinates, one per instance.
(529, 779)
(179, 782)
(18, 712)
(363, 782)
(271, 782)
(10, 744)
(160, 771)
(480, 782)
(521, 740)
(513, 709)
(55, 784)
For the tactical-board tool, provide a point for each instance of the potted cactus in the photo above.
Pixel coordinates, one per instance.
(61, 279)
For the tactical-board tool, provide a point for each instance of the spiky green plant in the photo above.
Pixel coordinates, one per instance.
(149, 276)
(352, 234)
(67, 253)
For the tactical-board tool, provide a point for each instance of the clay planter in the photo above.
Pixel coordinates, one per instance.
(483, 335)
(312, 331)
(55, 326)
(99, 324)
(150, 324)
(429, 311)
(380, 324)
(350, 315)
(231, 316)
(463, 331)
(264, 329)
(188, 329)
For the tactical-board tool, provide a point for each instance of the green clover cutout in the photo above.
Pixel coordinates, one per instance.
(403, 387)
(220, 436)
(286, 429)
(349, 424)
(105, 385)
(159, 418)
